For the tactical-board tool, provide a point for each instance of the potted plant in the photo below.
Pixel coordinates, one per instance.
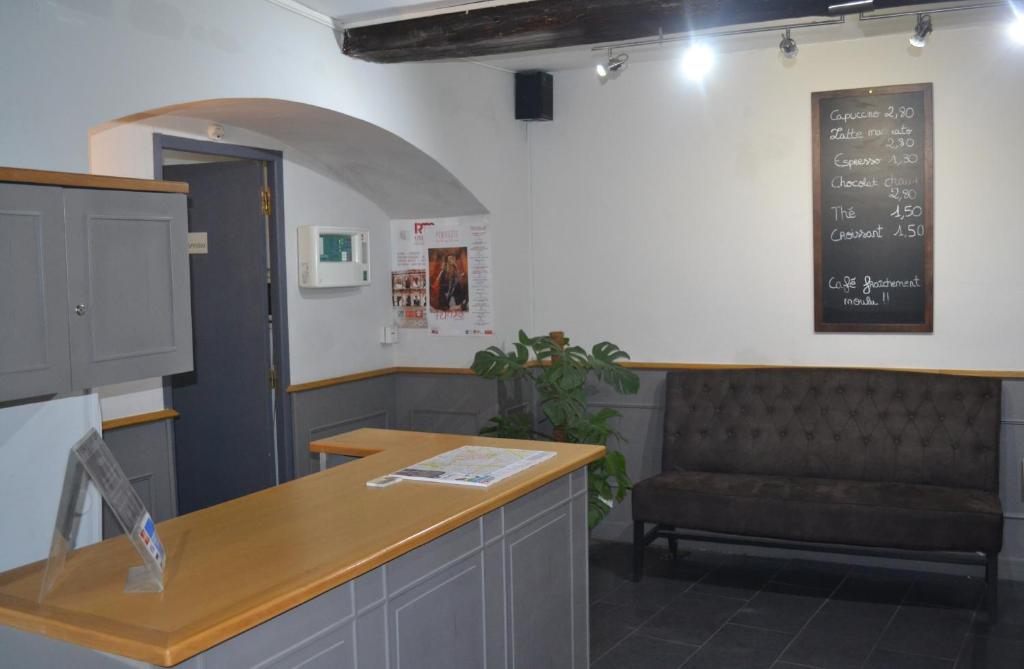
(559, 373)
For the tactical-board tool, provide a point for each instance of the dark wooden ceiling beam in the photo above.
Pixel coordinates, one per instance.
(548, 24)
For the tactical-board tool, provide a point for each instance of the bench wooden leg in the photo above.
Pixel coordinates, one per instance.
(638, 550)
(673, 547)
(992, 586)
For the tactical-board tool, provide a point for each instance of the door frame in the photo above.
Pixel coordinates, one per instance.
(278, 272)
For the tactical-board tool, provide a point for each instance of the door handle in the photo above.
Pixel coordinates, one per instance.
(80, 309)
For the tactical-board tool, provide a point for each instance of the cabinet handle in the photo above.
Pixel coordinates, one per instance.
(80, 309)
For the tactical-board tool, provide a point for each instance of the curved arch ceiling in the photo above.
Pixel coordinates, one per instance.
(399, 178)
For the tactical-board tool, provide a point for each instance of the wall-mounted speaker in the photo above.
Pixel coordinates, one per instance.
(535, 96)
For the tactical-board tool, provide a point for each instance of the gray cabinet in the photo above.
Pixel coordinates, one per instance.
(34, 353)
(94, 288)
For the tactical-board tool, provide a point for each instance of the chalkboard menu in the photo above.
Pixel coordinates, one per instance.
(873, 209)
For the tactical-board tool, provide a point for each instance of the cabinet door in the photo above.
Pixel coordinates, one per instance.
(33, 293)
(128, 285)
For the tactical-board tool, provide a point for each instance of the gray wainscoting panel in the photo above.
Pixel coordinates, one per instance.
(456, 404)
(146, 454)
(1011, 480)
(336, 409)
(462, 404)
(640, 425)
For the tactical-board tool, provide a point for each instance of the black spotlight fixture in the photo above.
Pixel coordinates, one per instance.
(921, 31)
(788, 46)
(612, 65)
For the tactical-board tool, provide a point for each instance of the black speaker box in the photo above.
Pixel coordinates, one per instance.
(535, 96)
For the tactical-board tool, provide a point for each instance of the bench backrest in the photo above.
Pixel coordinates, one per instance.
(835, 423)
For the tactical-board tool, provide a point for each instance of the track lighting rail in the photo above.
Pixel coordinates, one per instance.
(865, 16)
(686, 37)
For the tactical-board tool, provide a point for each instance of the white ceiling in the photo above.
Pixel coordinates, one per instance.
(399, 178)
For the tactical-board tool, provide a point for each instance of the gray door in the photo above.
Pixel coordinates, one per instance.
(128, 289)
(33, 293)
(224, 443)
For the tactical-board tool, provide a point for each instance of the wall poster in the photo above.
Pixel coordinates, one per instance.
(409, 273)
(441, 275)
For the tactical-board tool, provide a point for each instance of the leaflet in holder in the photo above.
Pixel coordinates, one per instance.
(91, 460)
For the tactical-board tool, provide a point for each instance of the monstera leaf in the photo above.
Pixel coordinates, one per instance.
(605, 363)
(493, 363)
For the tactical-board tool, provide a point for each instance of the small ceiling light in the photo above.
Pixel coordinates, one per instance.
(921, 31)
(697, 62)
(614, 64)
(788, 46)
(1017, 27)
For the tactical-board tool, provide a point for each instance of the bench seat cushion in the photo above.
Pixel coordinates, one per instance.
(860, 513)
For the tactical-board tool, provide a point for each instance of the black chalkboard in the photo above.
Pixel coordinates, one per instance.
(873, 209)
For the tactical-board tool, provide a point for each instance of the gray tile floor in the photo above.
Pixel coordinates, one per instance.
(716, 611)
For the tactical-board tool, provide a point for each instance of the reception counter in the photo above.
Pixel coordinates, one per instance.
(325, 571)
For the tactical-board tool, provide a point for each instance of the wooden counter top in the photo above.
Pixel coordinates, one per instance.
(238, 564)
(76, 180)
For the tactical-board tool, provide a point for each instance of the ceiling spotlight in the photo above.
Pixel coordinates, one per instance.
(614, 64)
(921, 31)
(1017, 29)
(697, 62)
(788, 46)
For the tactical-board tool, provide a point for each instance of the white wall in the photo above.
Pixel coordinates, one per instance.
(676, 221)
(331, 332)
(83, 64)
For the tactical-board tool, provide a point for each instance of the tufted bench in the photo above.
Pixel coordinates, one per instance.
(886, 463)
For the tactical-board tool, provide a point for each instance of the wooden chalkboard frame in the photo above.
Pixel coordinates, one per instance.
(928, 203)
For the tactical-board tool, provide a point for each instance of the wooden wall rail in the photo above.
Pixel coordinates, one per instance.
(665, 366)
(139, 419)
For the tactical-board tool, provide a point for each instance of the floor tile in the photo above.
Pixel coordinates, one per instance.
(602, 582)
(691, 618)
(687, 568)
(641, 652)
(875, 585)
(889, 659)
(781, 607)
(739, 647)
(960, 592)
(991, 653)
(924, 630)
(739, 577)
(812, 574)
(1009, 623)
(1002, 628)
(607, 628)
(841, 635)
(650, 594)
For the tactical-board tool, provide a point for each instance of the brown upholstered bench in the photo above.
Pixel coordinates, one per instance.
(896, 464)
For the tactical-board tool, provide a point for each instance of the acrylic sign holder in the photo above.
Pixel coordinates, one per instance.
(90, 459)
